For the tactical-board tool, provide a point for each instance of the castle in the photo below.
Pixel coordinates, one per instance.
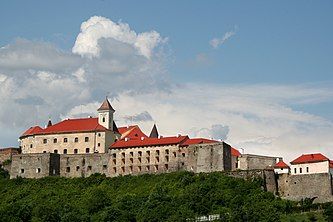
(81, 147)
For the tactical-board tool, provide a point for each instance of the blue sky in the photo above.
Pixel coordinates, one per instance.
(282, 47)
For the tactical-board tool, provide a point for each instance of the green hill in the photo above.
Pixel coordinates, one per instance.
(165, 197)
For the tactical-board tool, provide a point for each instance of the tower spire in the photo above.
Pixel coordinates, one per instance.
(154, 132)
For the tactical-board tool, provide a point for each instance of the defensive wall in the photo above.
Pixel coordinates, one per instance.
(297, 187)
(195, 158)
(254, 162)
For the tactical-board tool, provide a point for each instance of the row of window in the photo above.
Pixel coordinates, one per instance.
(65, 151)
(300, 170)
(122, 169)
(76, 140)
(157, 153)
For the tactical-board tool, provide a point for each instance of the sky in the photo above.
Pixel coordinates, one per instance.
(257, 74)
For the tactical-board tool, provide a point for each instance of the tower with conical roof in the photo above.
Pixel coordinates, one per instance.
(105, 114)
(154, 132)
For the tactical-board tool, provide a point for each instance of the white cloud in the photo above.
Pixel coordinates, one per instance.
(216, 42)
(38, 80)
(97, 27)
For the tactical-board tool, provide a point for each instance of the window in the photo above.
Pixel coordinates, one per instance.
(183, 163)
(86, 139)
(77, 168)
(65, 151)
(157, 159)
(44, 151)
(68, 169)
(131, 153)
(139, 153)
(76, 140)
(65, 140)
(30, 145)
(148, 153)
(105, 167)
(148, 159)
(139, 168)
(22, 170)
(114, 169)
(123, 155)
(183, 154)
(166, 166)
(103, 120)
(157, 152)
(123, 161)
(139, 159)
(295, 170)
(307, 169)
(114, 155)
(99, 134)
(156, 167)
(131, 169)
(114, 161)
(87, 150)
(45, 141)
(131, 159)
(89, 168)
(147, 168)
(98, 144)
(38, 170)
(300, 170)
(75, 151)
(174, 154)
(55, 151)
(55, 140)
(166, 151)
(123, 169)
(166, 158)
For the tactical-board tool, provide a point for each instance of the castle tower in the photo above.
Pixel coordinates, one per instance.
(105, 114)
(154, 132)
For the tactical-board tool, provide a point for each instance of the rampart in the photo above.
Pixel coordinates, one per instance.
(297, 187)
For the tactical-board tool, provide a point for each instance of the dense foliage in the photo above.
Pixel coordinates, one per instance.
(166, 197)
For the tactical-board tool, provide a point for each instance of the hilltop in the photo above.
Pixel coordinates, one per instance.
(163, 197)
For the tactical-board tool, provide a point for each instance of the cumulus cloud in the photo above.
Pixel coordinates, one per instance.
(38, 80)
(216, 42)
(97, 28)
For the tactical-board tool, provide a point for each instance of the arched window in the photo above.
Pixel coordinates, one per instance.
(76, 139)
(103, 120)
(65, 151)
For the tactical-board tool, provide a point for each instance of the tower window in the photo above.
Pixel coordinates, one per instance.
(75, 151)
(103, 119)
(307, 169)
(45, 141)
(30, 145)
(55, 151)
(65, 140)
(55, 140)
(86, 139)
(68, 169)
(76, 139)
(98, 144)
(87, 150)
(65, 151)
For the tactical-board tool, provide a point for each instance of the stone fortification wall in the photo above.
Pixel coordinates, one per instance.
(209, 157)
(135, 161)
(35, 165)
(256, 162)
(297, 187)
(268, 176)
(6, 154)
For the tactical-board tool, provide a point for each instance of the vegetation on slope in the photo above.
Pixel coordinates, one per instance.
(166, 197)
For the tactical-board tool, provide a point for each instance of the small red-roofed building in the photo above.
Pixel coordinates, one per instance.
(310, 164)
(281, 167)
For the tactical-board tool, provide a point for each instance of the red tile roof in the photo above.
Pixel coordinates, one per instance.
(235, 152)
(67, 126)
(131, 132)
(32, 130)
(149, 142)
(281, 164)
(198, 141)
(310, 158)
